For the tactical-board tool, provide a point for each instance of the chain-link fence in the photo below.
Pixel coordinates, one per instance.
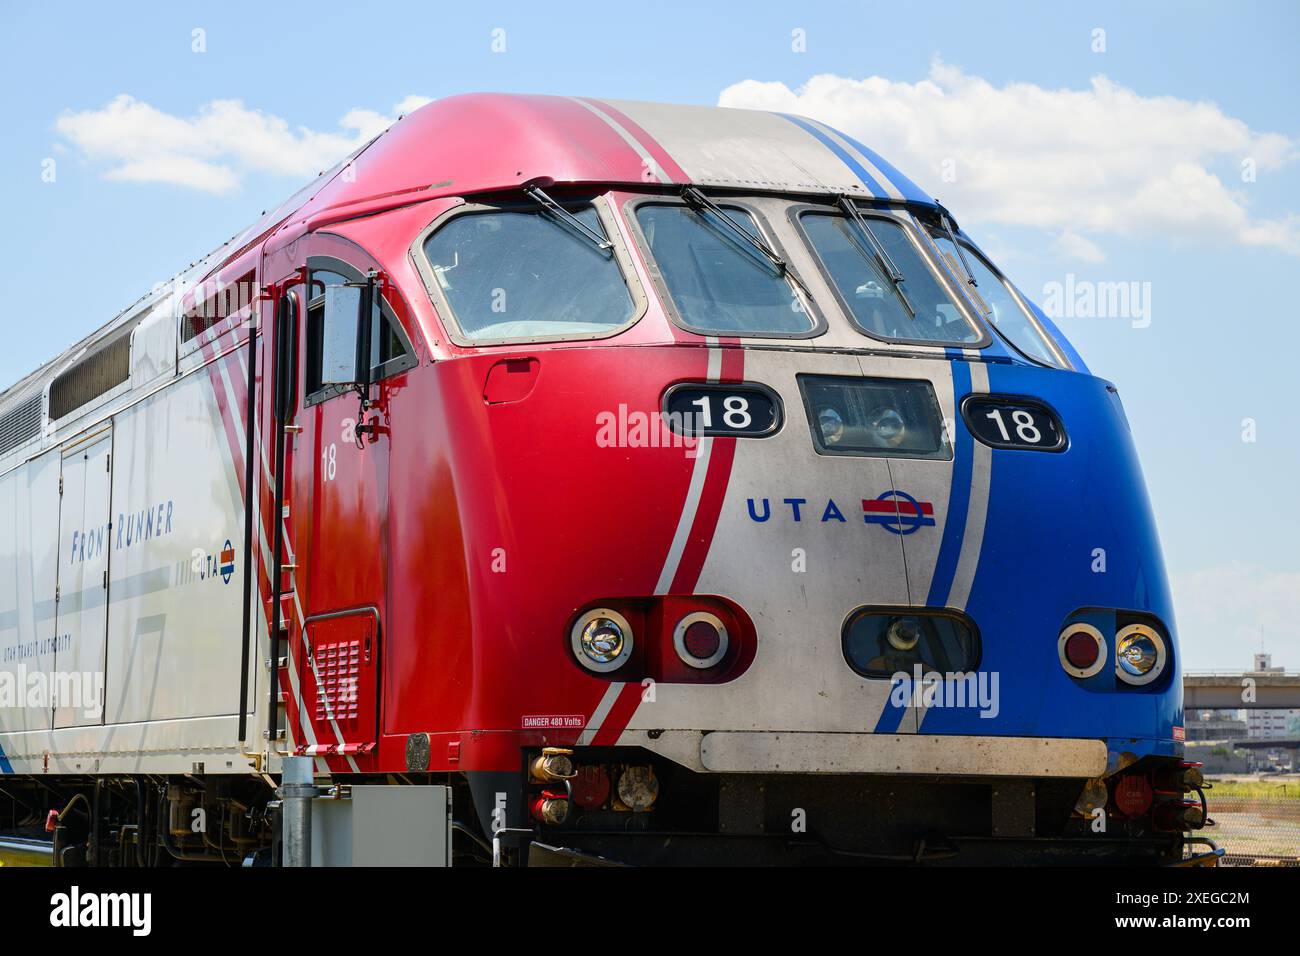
(1255, 830)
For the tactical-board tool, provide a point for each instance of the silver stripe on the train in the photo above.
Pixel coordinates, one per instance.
(978, 506)
(977, 510)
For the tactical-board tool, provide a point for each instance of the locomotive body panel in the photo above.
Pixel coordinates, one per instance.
(147, 583)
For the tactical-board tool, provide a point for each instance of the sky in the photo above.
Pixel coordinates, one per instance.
(1154, 144)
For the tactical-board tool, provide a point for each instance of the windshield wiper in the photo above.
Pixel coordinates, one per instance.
(947, 228)
(697, 200)
(878, 256)
(566, 218)
(974, 295)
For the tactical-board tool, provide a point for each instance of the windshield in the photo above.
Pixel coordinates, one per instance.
(719, 283)
(1002, 308)
(924, 312)
(525, 274)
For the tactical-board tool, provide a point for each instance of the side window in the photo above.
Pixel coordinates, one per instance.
(320, 279)
(1002, 308)
(389, 350)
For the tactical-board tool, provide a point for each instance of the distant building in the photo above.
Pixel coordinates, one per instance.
(1210, 725)
(1271, 723)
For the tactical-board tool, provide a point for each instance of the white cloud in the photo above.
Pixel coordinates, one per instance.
(1079, 162)
(216, 147)
(1071, 245)
(411, 104)
(1224, 613)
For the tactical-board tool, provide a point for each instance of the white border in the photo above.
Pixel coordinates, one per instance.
(679, 640)
(575, 639)
(1162, 655)
(1096, 635)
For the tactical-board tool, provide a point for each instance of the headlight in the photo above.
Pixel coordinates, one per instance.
(1140, 654)
(904, 633)
(889, 418)
(832, 425)
(880, 642)
(889, 427)
(602, 640)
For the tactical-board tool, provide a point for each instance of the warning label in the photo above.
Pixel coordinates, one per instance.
(555, 722)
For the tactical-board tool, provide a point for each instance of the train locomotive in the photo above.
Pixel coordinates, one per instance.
(668, 484)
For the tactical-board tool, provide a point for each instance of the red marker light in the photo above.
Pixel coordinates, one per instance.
(1081, 650)
(702, 640)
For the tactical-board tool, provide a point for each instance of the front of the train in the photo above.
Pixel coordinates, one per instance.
(794, 531)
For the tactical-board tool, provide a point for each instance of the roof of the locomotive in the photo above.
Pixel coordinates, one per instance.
(488, 142)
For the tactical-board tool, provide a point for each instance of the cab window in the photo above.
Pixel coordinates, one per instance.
(895, 296)
(523, 274)
(718, 283)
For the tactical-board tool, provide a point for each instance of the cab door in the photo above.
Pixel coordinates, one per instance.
(339, 502)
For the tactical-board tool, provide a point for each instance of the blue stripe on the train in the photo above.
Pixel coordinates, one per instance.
(5, 765)
(910, 190)
(954, 529)
(844, 155)
(891, 716)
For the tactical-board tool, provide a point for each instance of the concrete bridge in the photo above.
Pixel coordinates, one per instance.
(1249, 690)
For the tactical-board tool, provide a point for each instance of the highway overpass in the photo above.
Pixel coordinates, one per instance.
(1251, 690)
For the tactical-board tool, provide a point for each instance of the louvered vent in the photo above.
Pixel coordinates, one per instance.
(20, 424)
(108, 366)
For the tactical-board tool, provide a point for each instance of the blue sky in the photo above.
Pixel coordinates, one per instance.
(1047, 177)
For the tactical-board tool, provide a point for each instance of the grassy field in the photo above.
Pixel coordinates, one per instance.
(1266, 789)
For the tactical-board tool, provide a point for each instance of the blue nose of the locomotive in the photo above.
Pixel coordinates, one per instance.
(1068, 539)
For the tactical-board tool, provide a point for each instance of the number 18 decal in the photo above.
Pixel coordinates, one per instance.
(1013, 422)
(743, 410)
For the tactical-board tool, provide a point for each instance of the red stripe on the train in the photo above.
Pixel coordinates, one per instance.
(648, 142)
(716, 480)
(629, 699)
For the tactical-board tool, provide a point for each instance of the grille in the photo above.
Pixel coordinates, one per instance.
(20, 424)
(339, 667)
